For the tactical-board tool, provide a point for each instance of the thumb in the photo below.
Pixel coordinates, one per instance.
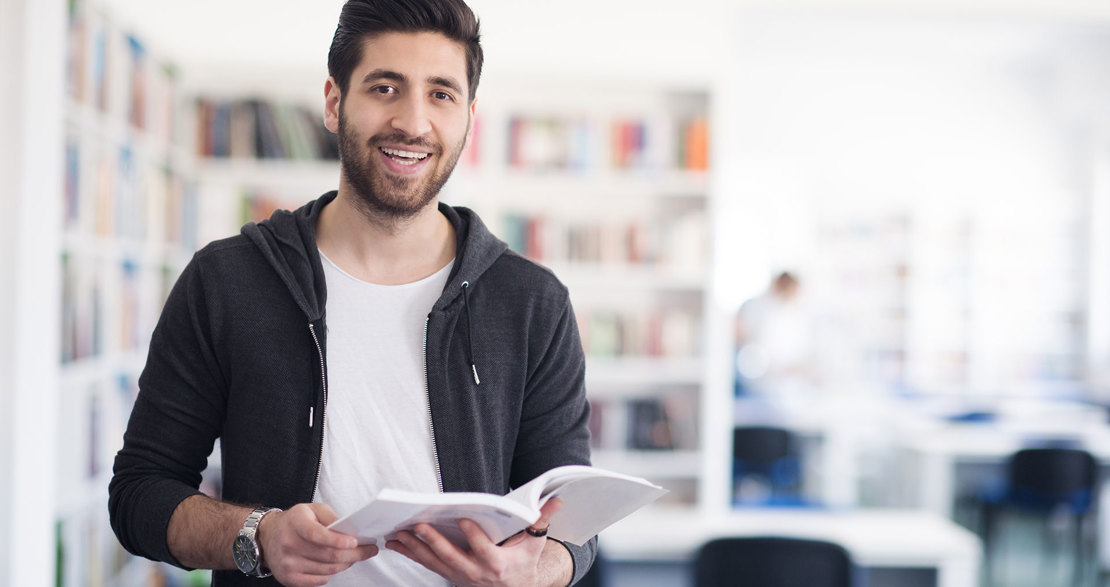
(548, 510)
(323, 512)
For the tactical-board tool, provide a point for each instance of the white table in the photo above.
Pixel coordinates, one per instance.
(874, 538)
(930, 456)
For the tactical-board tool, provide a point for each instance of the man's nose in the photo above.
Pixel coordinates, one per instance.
(411, 116)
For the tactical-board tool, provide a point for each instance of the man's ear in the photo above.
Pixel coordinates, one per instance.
(332, 97)
(470, 122)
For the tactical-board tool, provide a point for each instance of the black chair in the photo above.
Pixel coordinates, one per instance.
(768, 458)
(772, 562)
(1047, 481)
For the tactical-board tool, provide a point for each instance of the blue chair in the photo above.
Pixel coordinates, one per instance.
(772, 562)
(766, 457)
(1047, 481)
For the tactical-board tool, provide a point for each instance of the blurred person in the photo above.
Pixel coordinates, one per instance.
(373, 338)
(774, 342)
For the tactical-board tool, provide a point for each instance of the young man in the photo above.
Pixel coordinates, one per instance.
(373, 338)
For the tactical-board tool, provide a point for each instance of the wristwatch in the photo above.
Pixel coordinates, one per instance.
(246, 549)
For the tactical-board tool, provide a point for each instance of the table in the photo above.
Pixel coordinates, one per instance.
(874, 538)
(931, 456)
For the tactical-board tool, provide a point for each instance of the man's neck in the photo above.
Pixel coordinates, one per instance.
(385, 251)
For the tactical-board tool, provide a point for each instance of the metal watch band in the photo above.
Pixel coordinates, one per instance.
(250, 529)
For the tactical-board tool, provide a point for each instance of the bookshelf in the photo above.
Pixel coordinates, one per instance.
(610, 191)
(127, 226)
(955, 303)
(608, 185)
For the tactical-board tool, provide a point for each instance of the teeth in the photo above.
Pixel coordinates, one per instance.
(405, 154)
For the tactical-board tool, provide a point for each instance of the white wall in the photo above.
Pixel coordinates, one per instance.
(31, 63)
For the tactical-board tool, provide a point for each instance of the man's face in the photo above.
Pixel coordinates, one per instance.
(403, 122)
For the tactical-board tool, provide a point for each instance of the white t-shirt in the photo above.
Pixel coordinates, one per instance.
(377, 431)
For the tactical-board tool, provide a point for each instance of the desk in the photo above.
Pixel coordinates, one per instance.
(930, 457)
(875, 538)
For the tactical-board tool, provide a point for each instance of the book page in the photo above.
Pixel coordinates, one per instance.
(592, 499)
(393, 510)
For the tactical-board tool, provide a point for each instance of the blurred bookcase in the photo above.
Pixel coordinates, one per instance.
(129, 225)
(969, 304)
(606, 185)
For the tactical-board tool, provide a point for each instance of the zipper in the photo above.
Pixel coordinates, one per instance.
(428, 395)
(324, 410)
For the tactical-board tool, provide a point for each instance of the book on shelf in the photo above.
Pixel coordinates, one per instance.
(261, 129)
(693, 146)
(664, 423)
(656, 332)
(592, 499)
(634, 142)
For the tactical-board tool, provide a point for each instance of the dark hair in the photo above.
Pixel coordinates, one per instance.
(361, 19)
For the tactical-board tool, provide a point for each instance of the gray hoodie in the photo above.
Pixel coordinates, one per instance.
(240, 354)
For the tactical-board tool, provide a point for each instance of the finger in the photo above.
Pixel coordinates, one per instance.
(479, 541)
(305, 580)
(444, 549)
(367, 551)
(324, 514)
(515, 539)
(399, 547)
(317, 535)
(310, 567)
(548, 510)
(415, 549)
(342, 556)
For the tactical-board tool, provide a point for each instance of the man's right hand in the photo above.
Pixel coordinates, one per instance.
(299, 549)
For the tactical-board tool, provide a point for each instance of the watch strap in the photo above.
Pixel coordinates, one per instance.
(250, 529)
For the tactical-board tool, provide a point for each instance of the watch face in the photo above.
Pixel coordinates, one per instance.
(246, 554)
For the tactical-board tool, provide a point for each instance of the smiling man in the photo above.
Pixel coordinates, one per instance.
(373, 338)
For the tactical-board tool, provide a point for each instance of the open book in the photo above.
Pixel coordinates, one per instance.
(592, 500)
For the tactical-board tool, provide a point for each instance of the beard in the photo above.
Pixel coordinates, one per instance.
(383, 196)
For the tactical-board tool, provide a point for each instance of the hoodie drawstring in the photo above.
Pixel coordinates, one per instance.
(469, 332)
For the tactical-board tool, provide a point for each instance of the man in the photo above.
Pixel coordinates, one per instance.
(372, 338)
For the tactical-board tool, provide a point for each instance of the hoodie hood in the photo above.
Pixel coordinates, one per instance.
(288, 242)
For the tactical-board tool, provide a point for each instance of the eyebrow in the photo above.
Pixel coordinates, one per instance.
(434, 80)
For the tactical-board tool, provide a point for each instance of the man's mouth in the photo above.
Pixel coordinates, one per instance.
(403, 157)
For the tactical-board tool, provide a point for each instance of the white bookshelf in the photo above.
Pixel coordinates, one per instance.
(125, 228)
(548, 179)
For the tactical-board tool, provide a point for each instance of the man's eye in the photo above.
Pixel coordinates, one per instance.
(384, 90)
(441, 96)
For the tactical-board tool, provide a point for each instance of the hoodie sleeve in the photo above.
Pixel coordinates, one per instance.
(172, 426)
(553, 428)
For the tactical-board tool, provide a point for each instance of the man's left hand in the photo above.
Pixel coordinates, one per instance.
(520, 560)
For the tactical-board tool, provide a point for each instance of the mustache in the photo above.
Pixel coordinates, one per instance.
(403, 139)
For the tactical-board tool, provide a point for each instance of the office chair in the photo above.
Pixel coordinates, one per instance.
(766, 457)
(1047, 481)
(772, 562)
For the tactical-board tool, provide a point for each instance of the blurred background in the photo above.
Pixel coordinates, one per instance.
(841, 268)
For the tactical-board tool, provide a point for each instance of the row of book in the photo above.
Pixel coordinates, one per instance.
(665, 422)
(660, 332)
(113, 72)
(117, 191)
(584, 144)
(109, 306)
(677, 240)
(261, 129)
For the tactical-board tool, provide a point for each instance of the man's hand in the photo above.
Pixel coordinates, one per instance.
(299, 549)
(520, 560)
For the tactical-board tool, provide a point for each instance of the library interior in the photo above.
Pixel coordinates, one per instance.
(841, 269)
